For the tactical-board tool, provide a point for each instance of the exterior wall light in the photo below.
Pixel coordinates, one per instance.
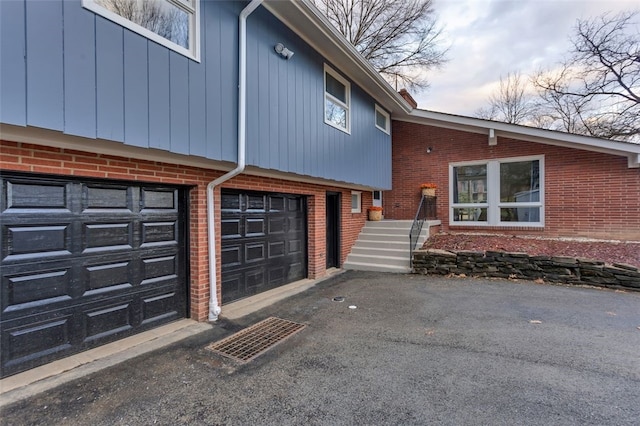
(283, 51)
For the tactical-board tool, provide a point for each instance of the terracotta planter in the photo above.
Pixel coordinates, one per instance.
(429, 192)
(375, 215)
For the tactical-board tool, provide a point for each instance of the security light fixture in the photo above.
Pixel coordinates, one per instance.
(283, 51)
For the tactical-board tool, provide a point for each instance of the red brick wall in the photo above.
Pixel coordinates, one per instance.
(42, 159)
(587, 194)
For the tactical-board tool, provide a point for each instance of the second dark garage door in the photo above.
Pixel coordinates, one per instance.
(264, 242)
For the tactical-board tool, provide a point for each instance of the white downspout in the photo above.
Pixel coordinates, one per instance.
(214, 304)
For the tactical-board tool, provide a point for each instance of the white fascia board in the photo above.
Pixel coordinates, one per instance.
(308, 23)
(525, 133)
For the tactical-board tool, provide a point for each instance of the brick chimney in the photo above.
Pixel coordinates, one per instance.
(407, 97)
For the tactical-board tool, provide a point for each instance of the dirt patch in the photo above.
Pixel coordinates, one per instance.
(606, 251)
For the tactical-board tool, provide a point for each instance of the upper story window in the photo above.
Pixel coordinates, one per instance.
(383, 120)
(171, 23)
(337, 98)
(503, 192)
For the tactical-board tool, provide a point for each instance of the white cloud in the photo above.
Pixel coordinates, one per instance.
(490, 38)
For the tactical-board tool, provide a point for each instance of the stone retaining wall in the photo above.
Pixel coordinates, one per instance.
(499, 264)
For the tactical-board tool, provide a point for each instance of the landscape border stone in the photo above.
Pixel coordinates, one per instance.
(502, 264)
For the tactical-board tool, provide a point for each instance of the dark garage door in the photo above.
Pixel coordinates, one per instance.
(86, 262)
(263, 242)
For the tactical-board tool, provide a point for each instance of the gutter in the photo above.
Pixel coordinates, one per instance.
(214, 303)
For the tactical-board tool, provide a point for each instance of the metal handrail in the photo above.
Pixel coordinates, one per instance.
(416, 228)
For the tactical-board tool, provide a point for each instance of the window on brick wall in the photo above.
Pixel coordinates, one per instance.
(356, 202)
(171, 23)
(504, 192)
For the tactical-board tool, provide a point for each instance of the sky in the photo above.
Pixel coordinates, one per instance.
(490, 38)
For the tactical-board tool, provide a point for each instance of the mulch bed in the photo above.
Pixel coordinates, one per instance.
(606, 251)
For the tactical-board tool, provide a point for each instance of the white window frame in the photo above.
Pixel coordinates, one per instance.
(328, 96)
(493, 203)
(387, 128)
(357, 209)
(191, 7)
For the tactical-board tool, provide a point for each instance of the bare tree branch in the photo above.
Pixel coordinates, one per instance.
(597, 89)
(400, 38)
(511, 103)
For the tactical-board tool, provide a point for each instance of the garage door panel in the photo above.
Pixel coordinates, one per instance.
(107, 236)
(35, 241)
(107, 197)
(35, 288)
(105, 277)
(276, 249)
(159, 199)
(159, 233)
(28, 195)
(256, 202)
(254, 278)
(277, 225)
(255, 227)
(277, 203)
(159, 308)
(277, 276)
(254, 252)
(106, 321)
(231, 229)
(295, 271)
(231, 256)
(159, 269)
(42, 338)
(230, 201)
(295, 247)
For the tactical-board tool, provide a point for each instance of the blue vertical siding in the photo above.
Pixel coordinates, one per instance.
(13, 81)
(198, 100)
(45, 83)
(67, 69)
(136, 90)
(79, 71)
(159, 98)
(109, 80)
(179, 71)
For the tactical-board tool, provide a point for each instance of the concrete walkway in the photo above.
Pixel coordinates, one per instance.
(414, 350)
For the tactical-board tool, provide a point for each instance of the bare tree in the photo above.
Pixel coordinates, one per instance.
(400, 38)
(511, 103)
(597, 89)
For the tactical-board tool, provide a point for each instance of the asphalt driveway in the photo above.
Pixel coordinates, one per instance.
(416, 350)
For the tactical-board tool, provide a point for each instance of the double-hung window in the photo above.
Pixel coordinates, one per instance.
(171, 23)
(337, 98)
(382, 120)
(505, 192)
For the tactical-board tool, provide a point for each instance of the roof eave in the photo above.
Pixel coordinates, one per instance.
(531, 134)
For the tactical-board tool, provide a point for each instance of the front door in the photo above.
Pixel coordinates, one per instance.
(333, 229)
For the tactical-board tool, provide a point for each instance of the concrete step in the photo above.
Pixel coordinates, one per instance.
(381, 251)
(384, 238)
(378, 260)
(392, 245)
(389, 224)
(376, 267)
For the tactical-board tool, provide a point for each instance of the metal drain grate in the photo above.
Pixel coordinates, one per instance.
(247, 344)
